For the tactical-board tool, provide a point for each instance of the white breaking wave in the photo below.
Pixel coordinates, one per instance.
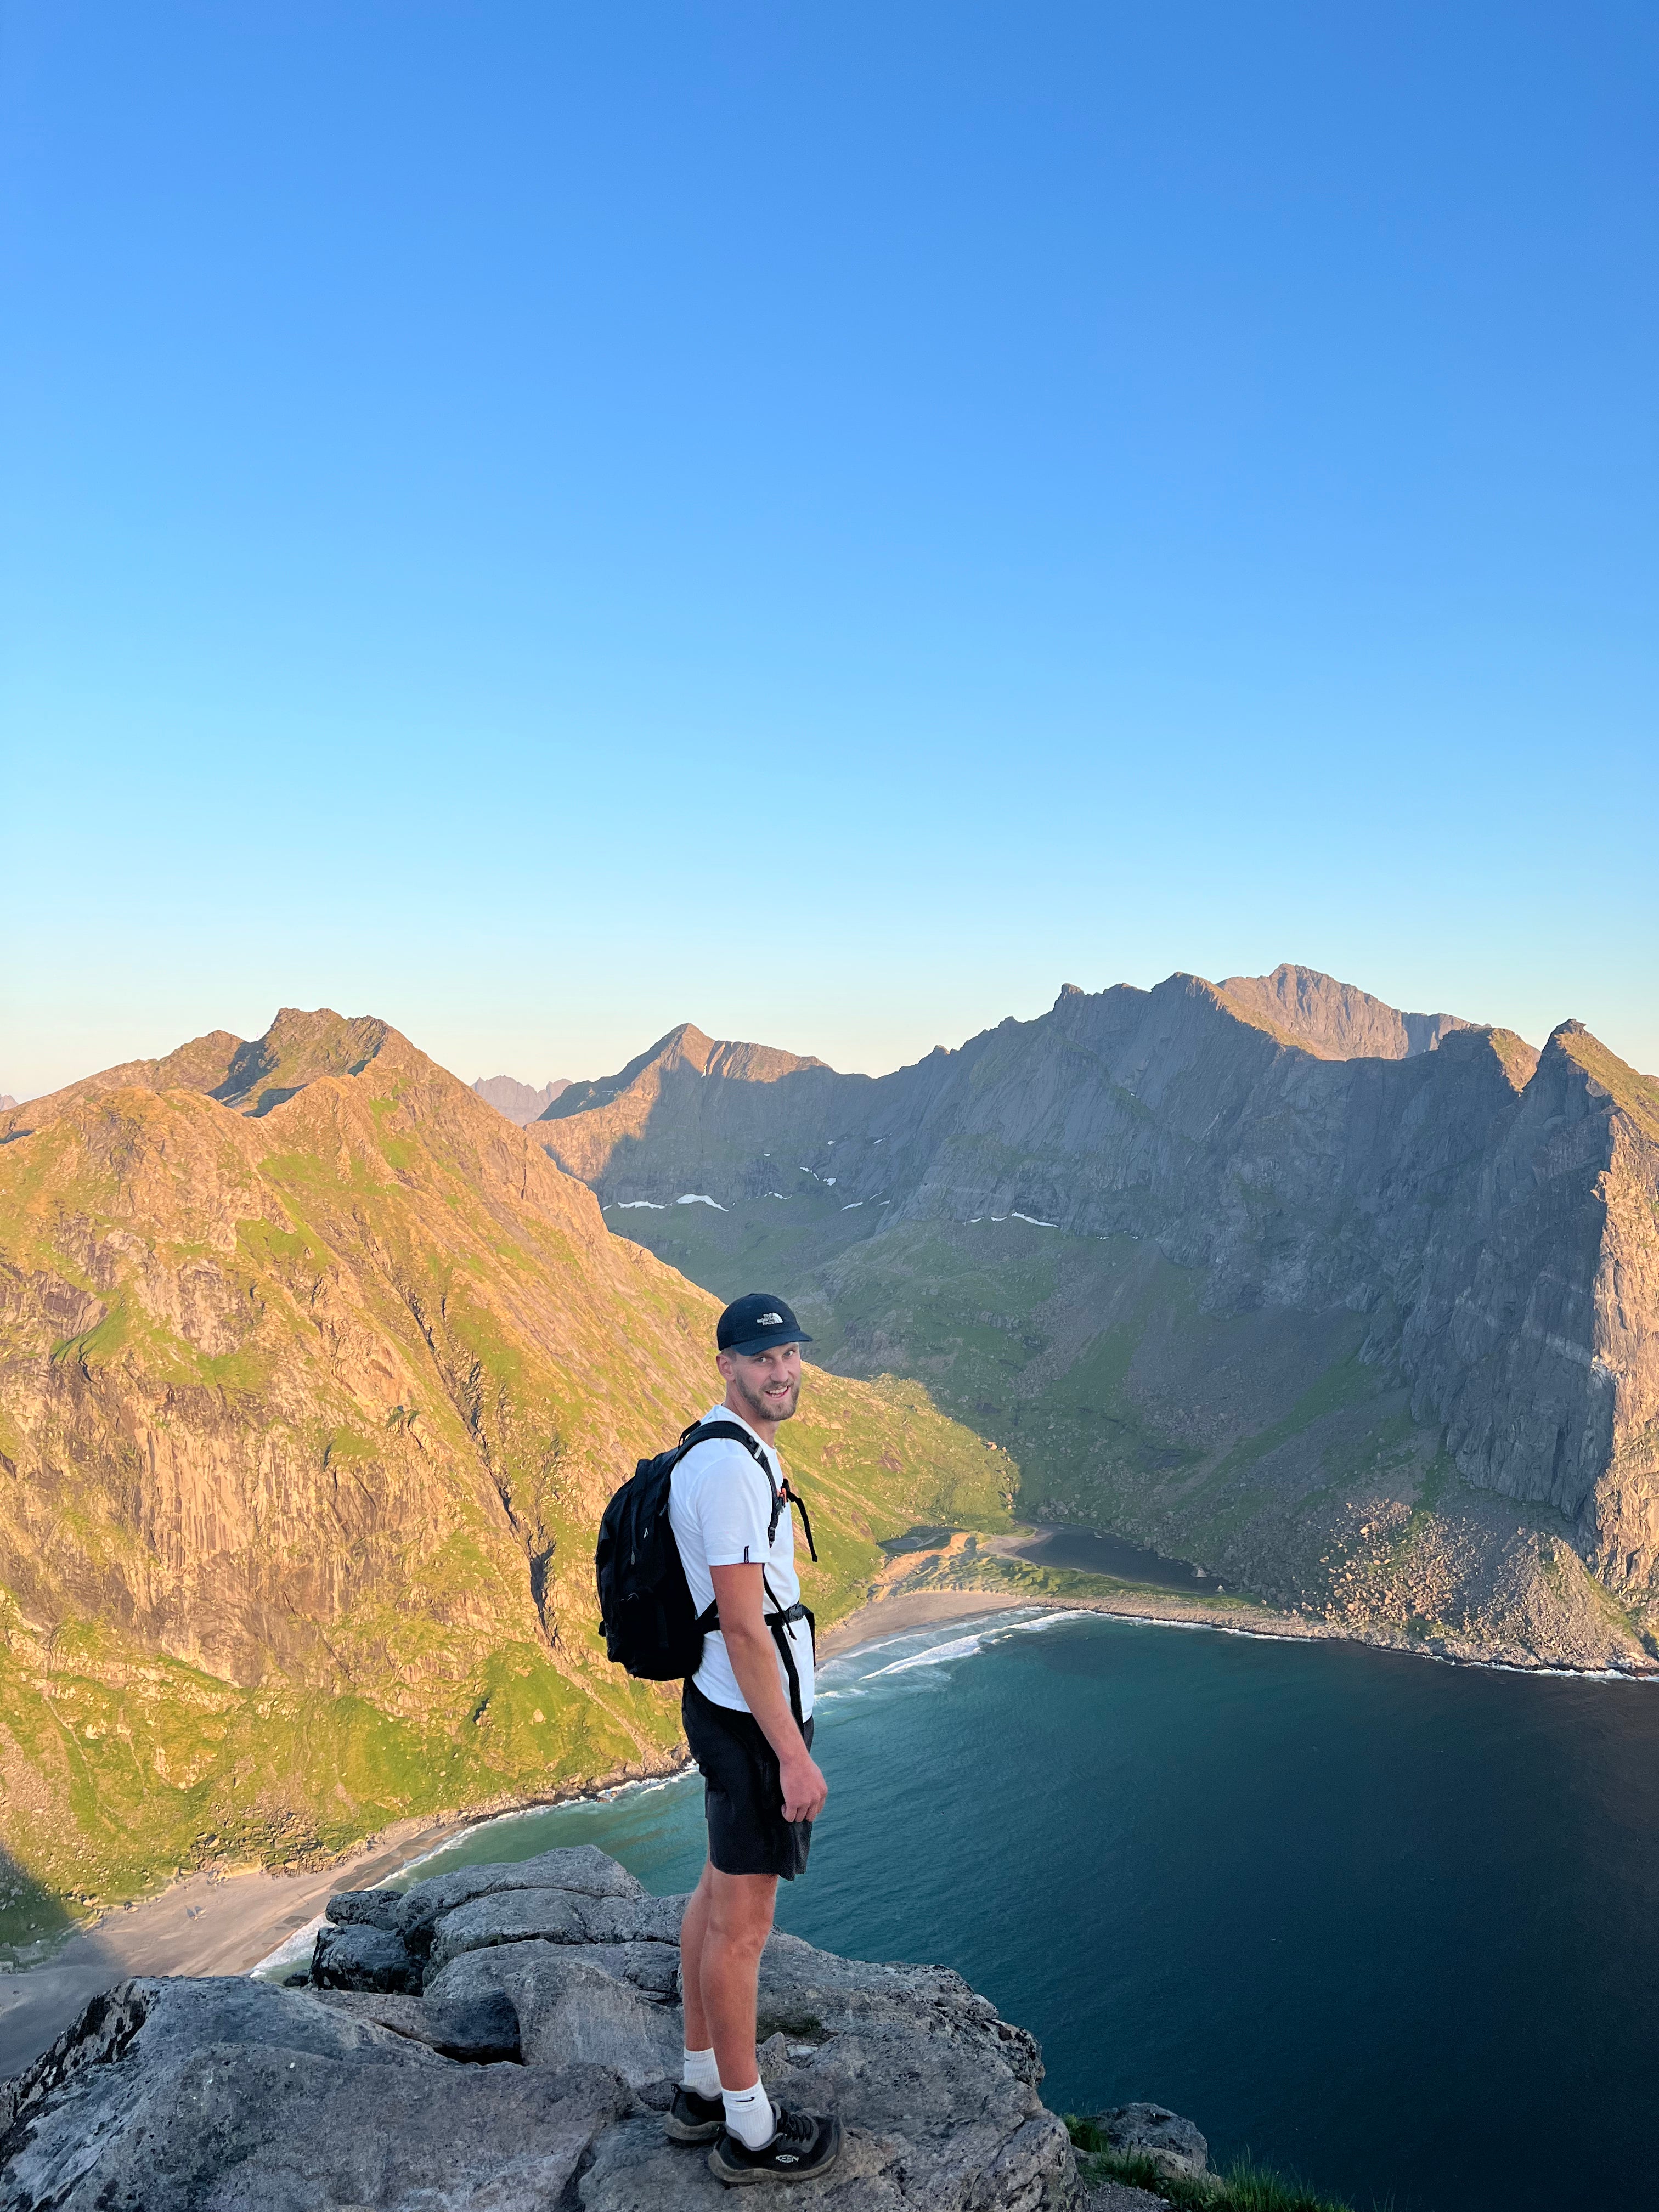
(965, 1647)
(852, 1673)
(293, 1952)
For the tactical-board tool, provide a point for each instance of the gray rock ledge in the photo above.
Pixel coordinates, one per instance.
(504, 2039)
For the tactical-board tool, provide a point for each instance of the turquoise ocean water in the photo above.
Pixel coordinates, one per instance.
(1389, 1923)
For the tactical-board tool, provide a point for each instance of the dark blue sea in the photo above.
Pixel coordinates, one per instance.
(1389, 1924)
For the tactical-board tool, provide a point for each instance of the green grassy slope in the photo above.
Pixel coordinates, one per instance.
(306, 1422)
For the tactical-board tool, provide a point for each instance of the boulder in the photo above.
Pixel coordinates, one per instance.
(366, 1908)
(554, 1916)
(569, 2009)
(654, 1969)
(356, 1957)
(480, 2030)
(233, 2096)
(578, 1867)
(1173, 2145)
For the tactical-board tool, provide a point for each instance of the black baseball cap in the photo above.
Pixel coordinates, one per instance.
(756, 1323)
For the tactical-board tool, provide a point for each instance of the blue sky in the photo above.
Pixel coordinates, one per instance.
(542, 522)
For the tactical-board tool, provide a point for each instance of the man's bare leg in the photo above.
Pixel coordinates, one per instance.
(721, 1938)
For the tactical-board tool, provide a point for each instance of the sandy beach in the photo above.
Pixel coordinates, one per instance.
(208, 1923)
(903, 1605)
(909, 1609)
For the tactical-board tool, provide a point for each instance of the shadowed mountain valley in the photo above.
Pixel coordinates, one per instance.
(1358, 1308)
(316, 1375)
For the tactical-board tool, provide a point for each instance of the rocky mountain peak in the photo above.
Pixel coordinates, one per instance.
(1334, 1020)
(298, 1048)
(1570, 1045)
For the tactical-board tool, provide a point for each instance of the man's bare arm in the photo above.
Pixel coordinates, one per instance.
(754, 1656)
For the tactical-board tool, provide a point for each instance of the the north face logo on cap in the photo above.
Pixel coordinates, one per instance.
(757, 1321)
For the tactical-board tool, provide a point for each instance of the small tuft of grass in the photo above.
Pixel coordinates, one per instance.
(1244, 2186)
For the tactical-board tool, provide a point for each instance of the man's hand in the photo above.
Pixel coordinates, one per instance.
(804, 1787)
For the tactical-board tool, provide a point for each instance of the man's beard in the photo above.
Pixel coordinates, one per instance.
(760, 1408)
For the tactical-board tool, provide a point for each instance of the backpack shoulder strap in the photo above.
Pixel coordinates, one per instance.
(781, 1497)
(702, 1432)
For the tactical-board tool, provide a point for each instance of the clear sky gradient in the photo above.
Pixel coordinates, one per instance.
(544, 521)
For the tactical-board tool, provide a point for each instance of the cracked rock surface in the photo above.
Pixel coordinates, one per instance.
(520, 2060)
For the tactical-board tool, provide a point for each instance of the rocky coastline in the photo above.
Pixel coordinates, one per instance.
(508, 2036)
(967, 1574)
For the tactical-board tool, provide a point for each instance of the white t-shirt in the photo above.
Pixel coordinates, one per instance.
(719, 1504)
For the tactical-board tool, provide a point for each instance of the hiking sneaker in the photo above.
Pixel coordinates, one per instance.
(802, 2147)
(692, 2119)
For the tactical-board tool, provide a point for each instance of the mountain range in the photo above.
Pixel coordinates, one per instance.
(519, 1101)
(315, 1373)
(1358, 1308)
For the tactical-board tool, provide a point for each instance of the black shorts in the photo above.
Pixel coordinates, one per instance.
(742, 1798)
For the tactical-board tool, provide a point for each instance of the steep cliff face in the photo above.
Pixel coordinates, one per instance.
(314, 1375)
(1536, 1336)
(1451, 1238)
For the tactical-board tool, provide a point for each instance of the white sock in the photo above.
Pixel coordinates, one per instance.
(700, 2072)
(749, 2116)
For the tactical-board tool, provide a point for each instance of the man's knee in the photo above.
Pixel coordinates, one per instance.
(740, 1909)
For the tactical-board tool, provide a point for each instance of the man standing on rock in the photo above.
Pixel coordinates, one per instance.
(747, 1713)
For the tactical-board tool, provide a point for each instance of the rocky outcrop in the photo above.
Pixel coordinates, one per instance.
(1153, 2132)
(529, 2073)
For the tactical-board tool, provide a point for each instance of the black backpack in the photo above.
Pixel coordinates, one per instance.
(646, 1616)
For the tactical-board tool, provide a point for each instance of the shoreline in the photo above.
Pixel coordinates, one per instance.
(234, 1922)
(905, 1609)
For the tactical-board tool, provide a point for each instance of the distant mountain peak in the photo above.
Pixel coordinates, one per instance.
(520, 1102)
(1334, 1020)
(633, 1090)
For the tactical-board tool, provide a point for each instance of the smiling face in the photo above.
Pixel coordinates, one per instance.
(762, 1386)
